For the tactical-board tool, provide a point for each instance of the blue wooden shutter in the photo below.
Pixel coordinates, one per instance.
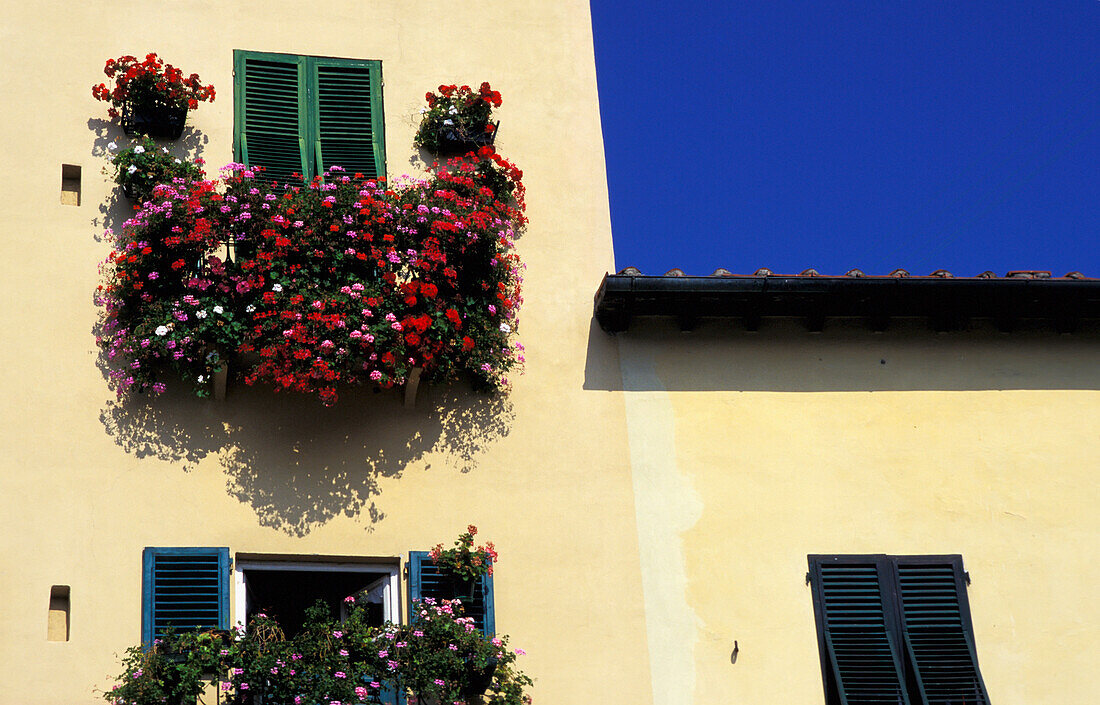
(426, 580)
(185, 588)
(938, 632)
(270, 114)
(861, 656)
(345, 113)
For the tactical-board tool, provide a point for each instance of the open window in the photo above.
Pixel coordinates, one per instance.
(283, 587)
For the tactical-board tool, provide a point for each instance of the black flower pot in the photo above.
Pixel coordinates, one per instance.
(137, 192)
(154, 120)
(463, 589)
(456, 140)
(480, 678)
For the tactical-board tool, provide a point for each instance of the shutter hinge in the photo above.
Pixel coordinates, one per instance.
(966, 577)
(807, 577)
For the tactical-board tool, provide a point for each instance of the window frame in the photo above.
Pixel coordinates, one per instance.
(309, 130)
(391, 607)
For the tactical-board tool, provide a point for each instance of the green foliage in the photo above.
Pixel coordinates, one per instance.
(439, 655)
(138, 169)
(171, 671)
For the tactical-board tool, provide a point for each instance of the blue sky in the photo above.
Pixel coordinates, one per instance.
(962, 135)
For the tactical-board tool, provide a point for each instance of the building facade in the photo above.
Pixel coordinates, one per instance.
(658, 498)
(840, 488)
(278, 480)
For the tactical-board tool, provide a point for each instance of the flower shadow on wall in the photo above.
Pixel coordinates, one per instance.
(299, 465)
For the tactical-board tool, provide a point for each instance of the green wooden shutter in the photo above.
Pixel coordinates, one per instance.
(938, 631)
(346, 119)
(860, 648)
(185, 588)
(426, 580)
(270, 125)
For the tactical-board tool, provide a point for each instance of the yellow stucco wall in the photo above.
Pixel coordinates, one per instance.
(752, 451)
(653, 495)
(87, 483)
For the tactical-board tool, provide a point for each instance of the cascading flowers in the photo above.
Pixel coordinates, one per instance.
(346, 280)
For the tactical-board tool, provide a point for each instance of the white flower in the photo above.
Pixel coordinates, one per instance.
(505, 328)
(178, 161)
(161, 330)
(276, 288)
(132, 169)
(249, 308)
(218, 310)
(164, 149)
(453, 110)
(112, 146)
(448, 122)
(201, 313)
(139, 149)
(423, 110)
(202, 378)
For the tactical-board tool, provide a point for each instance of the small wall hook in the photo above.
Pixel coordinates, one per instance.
(733, 656)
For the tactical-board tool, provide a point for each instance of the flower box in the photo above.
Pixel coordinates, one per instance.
(154, 120)
(456, 140)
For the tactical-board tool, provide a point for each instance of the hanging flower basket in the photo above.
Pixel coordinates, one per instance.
(464, 589)
(457, 140)
(154, 97)
(156, 120)
(129, 189)
(141, 166)
(458, 120)
(480, 678)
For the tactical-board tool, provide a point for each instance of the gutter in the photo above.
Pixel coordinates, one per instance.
(948, 303)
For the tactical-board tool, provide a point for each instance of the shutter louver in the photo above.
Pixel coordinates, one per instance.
(185, 589)
(347, 120)
(426, 580)
(270, 125)
(939, 635)
(863, 655)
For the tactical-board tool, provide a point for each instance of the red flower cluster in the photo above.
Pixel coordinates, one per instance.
(150, 82)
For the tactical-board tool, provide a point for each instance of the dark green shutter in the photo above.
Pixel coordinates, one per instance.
(346, 116)
(938, 631)
(184, 588)
(305, 114)
(270, 125)
(426, 580)
(861, 655)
